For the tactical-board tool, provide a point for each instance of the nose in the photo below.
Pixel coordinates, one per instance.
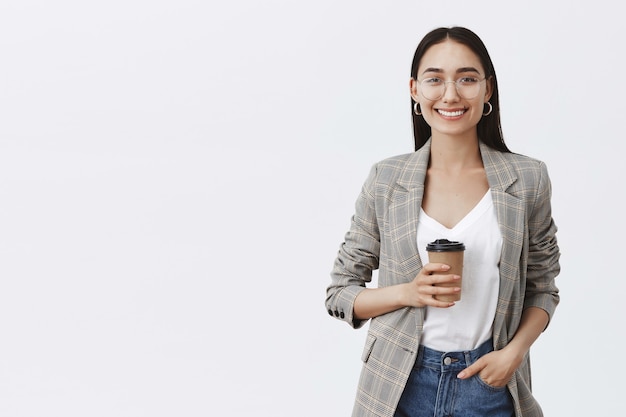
(450, 94)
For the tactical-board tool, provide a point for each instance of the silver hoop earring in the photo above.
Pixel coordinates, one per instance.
(417, 111)
(490, 109)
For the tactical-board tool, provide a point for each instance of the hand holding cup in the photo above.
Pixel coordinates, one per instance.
(449, 253)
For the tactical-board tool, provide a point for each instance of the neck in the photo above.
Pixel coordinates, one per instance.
(454, 153)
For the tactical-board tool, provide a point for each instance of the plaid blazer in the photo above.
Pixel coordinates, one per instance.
(383, 236)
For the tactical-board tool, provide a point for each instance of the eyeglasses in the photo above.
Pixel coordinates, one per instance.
(434, 88)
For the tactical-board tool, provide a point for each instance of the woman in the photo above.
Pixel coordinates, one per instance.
(425, 357)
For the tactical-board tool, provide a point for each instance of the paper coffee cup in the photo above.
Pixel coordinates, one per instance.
(450, 253)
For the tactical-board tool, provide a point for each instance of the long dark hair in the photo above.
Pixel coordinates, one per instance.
(489, 128)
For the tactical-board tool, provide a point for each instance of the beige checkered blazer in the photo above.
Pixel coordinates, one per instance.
(383, 236)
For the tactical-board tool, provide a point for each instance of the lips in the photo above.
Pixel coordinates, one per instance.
(453, 113)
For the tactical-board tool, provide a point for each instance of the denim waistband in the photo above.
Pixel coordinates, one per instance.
(451, 361)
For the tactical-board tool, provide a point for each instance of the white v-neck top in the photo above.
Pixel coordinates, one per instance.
(468, 323)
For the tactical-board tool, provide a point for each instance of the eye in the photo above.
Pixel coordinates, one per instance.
(432, 81)
(468, 80)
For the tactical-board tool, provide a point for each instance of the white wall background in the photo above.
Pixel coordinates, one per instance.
(176, 177)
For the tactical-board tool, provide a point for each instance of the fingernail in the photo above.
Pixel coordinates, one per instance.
(461, 375)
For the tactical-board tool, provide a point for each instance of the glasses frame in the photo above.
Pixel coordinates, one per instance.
(445, 86)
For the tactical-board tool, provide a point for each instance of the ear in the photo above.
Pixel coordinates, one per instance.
(413, 87)
(489, 89)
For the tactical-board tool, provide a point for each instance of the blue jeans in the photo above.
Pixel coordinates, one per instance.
(433, 390)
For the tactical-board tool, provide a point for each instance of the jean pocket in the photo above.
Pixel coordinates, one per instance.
(486, 386)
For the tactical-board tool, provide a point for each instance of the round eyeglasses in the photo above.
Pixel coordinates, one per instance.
(434, 88)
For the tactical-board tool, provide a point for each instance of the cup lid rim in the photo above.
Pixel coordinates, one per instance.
(445, 245)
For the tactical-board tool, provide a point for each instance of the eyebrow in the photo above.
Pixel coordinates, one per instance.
(458, 71)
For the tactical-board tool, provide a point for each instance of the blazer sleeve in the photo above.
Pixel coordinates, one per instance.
(357, 257)
(543, 251)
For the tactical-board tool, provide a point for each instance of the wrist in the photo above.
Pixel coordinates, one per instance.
(401, 295)
(515, 351)
(406, 296)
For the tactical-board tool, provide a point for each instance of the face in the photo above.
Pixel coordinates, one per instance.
(456, 112)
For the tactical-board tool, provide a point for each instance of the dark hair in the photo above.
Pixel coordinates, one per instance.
(489, 128)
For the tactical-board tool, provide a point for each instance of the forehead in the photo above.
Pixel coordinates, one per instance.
(449, 56)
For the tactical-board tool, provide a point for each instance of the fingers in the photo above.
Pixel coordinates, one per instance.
(491, 375)
(439, 284)
(442, 281)
(430, 292)
(436, 303)
(435, 274)
(431, 268)
(471, 370)
(433, 281)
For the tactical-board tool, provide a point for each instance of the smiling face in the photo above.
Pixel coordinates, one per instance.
(451, 114)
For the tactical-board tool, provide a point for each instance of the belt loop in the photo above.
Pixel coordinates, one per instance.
(468, 358)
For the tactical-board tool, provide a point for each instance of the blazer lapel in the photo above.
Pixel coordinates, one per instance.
(509, 209)
(510, 214)
(404, 211)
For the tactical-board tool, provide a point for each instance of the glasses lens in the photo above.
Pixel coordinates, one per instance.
(433, 88)
(468, 87)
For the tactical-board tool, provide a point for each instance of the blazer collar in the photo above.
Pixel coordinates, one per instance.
(499, 175)
(414, 173)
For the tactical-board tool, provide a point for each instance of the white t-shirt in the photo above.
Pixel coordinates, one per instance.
(468, 323)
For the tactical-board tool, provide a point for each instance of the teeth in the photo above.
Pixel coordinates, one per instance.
(451, 113)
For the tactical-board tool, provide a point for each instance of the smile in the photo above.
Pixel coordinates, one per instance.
(451, 113)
